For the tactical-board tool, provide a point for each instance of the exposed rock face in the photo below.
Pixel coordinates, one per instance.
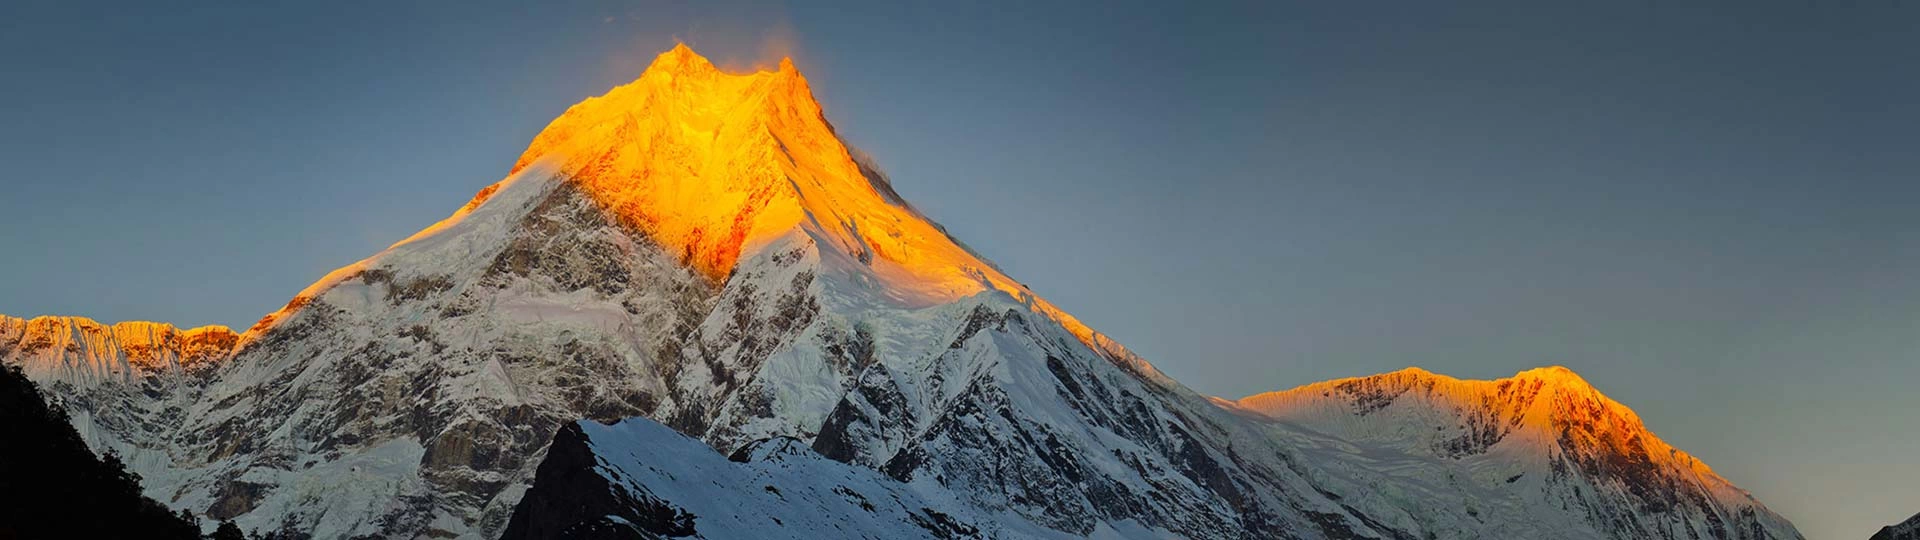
(439, 370)
(699, 249)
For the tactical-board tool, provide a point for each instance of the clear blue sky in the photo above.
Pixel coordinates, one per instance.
(1708, 211)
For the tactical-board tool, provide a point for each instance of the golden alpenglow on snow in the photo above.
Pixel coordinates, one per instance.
(880, 270)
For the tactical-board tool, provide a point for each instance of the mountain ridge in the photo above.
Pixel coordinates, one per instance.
(87, 351)
(1558, 383)
(699, 249)
(1551, 412)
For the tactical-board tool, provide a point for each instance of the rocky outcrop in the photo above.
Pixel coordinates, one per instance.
(639, 479)
(1905, 530)
(572, 498)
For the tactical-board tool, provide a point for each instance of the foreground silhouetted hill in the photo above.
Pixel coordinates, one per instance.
(53, 486)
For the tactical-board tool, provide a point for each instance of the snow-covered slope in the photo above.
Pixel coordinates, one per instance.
(1905, 530)
(1542, 453)
(638, 476)
(700, 249)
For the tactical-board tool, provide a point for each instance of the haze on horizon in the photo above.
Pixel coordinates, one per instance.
(1707, 213)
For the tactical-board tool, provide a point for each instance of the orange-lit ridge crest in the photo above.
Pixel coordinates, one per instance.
(1548, 405)
(79, 344)
(699, 159)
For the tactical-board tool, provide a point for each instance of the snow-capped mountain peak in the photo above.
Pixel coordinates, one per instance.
(708, 163)
(1548, 404)
(700, 248)
(1549, 418)
(718, 166)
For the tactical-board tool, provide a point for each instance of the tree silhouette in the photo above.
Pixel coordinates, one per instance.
(53, 486)
(228, 531)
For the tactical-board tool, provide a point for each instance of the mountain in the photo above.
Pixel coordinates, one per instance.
(1905, 530)
(1543, 444)
(700, 250)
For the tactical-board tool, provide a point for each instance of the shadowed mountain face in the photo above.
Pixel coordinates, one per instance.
(698, 250)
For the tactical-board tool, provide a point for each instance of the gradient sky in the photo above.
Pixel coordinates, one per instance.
(1709, 212)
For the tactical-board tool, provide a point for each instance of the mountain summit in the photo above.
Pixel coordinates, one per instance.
(715, 166)
(702, 161)
(698, 252)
